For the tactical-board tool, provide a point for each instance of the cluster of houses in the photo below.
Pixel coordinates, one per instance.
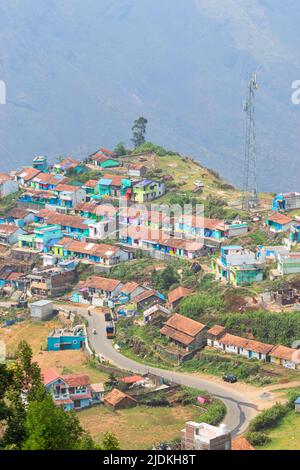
(189, 336)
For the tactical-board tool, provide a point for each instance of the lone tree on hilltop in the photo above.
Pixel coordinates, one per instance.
(139, 131)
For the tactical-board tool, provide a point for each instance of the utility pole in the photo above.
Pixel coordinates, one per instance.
(250, 192)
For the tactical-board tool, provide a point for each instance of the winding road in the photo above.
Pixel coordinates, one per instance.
(239, 411)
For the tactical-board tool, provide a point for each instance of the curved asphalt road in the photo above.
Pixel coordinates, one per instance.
(239, 412)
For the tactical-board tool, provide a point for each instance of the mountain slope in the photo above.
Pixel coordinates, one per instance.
(78, 73)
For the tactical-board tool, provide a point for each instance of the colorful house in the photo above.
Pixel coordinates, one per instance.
(285, 357)
(72, 391)
(9, 233)
(286, 202)
(68, 196)
(35, 197)
(289, 263)
(48, 181)
(96, 290)
(278, 223)
(271, 252)
(156, 241)
(100, 253)
(61, 340)
(40, 163)
(26, 175)
(147, 190)
(68, 164)
(115, 186)
(237, 266)
(90, 187)
(17, 216)
(103, 158)
(70, 224)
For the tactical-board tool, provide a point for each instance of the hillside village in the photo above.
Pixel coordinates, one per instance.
(86, 243)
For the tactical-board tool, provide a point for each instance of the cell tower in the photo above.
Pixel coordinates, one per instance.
(250, 193)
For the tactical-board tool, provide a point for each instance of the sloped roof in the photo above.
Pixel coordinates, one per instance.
(248, 344)
(116, 396)
(216, 330)
(285, 353)
(279, 218)
(76, 380)
(185, 325)
(129, 287)
(178, 293)
(101, 283)
(28, 173)
(49, 376)
(132, 379)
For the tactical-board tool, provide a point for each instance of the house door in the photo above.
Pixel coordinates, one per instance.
(76, 403)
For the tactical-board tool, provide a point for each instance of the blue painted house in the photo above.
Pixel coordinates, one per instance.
(61, 340)
(278, 223)
(72, 391)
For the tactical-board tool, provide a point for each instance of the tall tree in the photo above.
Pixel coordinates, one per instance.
(26, 387)
(139, 131)
(49, 427)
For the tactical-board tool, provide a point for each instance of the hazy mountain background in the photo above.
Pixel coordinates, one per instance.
(78, 72)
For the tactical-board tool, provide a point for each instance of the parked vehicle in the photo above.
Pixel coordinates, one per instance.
(230, 378)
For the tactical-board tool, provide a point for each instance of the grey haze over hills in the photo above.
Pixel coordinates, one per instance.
(79, 72)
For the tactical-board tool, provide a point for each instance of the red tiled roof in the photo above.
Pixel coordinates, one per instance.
(216, 330)
(116, 396)
(185, 325)
(8, 229)
(285, 353)
(67, 187)
(132, 379)
(178, 294)
(76, 380)
(279, 218)
(49, 375)
(94, 249)
(101, 283)
(4, 177)
(28, 173)
(248, 344)
(62, 219)
(129, 287)
(90, 183)
(48, 178)
(116, 180)
(145, 295)
(97, 388)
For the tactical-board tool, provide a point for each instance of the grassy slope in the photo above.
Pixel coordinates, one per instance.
(140, 427)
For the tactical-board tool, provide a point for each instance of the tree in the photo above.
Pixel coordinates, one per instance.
(6, 378)
(112, 380)
(110, 442)
(165, 278)
(120, 149)
(49, 427)
(139, 131)
(26, 386)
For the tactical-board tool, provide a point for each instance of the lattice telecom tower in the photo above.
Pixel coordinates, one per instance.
(250, 193)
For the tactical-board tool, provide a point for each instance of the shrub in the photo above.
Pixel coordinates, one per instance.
(268, 418)
(257, 438)
(214, 414)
